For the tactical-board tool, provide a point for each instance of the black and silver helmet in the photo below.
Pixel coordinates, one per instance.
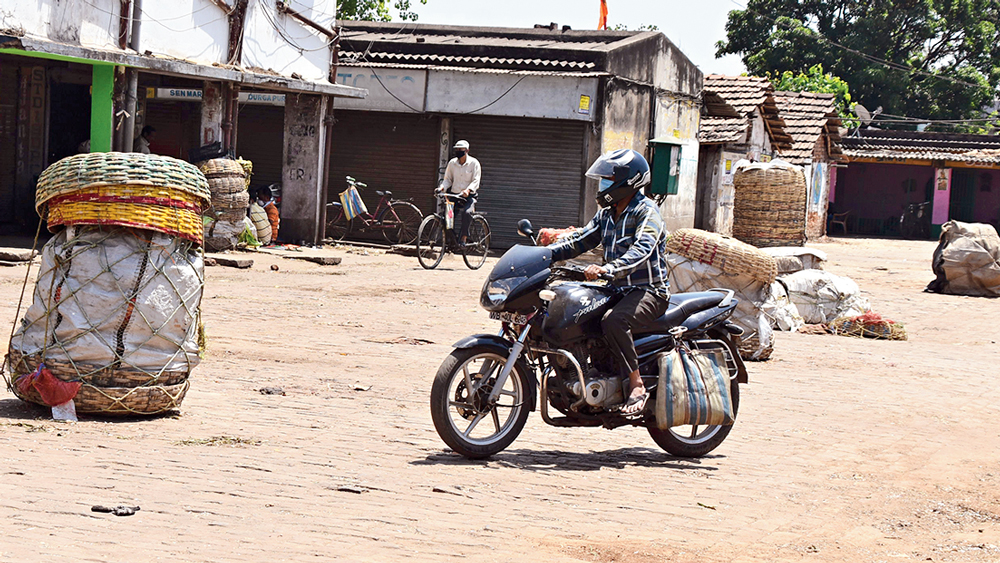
(621, 172)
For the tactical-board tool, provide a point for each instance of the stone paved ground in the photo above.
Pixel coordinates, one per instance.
(845, 450)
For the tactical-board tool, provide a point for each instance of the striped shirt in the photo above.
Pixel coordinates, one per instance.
(634, 245)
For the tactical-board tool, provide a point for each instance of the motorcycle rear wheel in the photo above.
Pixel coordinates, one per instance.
(468, 424)
(694, 441)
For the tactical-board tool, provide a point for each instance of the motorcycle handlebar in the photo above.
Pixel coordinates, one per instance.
(577, 271)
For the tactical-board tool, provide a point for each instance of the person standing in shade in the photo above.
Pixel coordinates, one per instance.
(145, 137)
(462, 177)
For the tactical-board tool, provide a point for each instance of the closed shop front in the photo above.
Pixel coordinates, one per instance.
(532, 168)
(260, 139)
(388, 151)
(177, 126)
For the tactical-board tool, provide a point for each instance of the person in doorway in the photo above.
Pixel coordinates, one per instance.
(462, 177)
(265, 199)
(630, 227)
(145, 137)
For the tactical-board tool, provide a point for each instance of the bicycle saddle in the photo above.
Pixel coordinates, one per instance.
(385, 193)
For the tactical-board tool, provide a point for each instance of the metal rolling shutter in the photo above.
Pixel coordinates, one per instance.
(532, 168)
(260, 139)
(387, 151)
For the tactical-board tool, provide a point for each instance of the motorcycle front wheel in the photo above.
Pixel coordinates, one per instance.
(466, 420)
(694, 441)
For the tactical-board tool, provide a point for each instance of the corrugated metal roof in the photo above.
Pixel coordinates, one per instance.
(349, 57)
(475, 70)
(807, 116)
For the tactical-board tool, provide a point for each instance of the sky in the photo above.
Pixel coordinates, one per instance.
(694, 26)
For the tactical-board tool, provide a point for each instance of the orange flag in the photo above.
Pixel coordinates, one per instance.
(603, 22)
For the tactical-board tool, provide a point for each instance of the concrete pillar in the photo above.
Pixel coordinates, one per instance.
(211, 113)
(444, 147)
(302, 196)
(102, 107)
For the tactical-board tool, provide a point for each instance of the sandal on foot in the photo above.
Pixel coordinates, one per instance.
(635, 405)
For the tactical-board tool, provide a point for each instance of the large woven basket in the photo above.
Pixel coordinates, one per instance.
(769, 206)
(728, 254)
(146, 400)
(222, 167)
(124, 189)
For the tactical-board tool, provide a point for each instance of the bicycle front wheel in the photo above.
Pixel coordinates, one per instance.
(400, 223)
(339, 226)
(430, 242)
(478, 243)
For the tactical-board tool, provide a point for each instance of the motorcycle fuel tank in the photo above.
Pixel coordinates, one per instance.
(576, 312)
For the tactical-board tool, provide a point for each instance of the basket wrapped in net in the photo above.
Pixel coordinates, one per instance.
(124, 189)
(261, 223)
(228, 181)
(769, 205)
(728, 254)
(116, 310)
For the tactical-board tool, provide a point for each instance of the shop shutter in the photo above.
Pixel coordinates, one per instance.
(177, 125)
(9, 81)
(388, 151)
(260, 139)
(532, 168)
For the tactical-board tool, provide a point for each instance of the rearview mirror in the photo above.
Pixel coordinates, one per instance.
(524, 228)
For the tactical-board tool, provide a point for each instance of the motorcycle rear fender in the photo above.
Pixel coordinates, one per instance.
(502, 347)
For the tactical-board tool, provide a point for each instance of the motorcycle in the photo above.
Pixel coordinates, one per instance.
(915, 223)
(551, 344)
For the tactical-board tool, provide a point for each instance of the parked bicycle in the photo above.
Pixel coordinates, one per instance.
(437, 236)
(398, 220)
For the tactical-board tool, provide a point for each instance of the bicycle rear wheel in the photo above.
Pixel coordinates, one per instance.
(400, 222)
(430, 242)
(339, 226)
(477, 244)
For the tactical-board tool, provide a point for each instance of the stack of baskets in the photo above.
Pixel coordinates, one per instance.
(116, 306)
(227, 180)
(769, 206)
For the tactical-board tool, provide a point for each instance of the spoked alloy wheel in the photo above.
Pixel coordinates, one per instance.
(400, 223)
(474, 253)
(694, 441)
(339, 227)
(464, 417)
(430, 242)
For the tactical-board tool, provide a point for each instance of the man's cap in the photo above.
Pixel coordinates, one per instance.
(463, 144)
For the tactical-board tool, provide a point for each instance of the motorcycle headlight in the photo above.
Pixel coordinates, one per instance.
(498, 290)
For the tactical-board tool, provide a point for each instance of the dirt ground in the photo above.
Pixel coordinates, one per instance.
(844, 450)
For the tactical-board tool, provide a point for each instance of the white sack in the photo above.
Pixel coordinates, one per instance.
(94, 273)
(780, 309)
(689, 275)
(795, 258)
(822, 297)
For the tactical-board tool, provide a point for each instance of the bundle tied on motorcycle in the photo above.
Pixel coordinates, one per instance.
(114, 323)
(699, 261)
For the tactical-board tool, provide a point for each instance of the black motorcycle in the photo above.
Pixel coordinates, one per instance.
(915, 223)
(551, 342)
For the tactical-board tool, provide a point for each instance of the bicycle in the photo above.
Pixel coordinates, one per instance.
(434, 239)
(398, 220)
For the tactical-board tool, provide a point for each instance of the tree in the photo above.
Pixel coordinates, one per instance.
(933, 59)
(815, 80)
(375, 10)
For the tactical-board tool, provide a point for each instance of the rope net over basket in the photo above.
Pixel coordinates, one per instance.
(118, 311)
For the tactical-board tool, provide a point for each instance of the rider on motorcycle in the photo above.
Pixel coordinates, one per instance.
(630, 227)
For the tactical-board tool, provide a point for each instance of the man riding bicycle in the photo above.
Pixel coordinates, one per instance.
(462, 177)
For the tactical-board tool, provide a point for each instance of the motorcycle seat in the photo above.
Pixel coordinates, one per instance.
(682, 306)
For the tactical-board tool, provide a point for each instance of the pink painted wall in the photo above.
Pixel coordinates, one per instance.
(876, 196)
(942, 195)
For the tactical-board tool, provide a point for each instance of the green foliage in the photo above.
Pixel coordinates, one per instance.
(934, 59)
(375, 10)
(815, 80)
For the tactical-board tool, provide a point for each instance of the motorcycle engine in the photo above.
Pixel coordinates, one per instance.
(602, 392)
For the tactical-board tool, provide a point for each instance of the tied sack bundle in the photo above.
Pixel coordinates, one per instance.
(769, 204)
(227, 181)
(699, 261)
(967, 260)
(114, 322)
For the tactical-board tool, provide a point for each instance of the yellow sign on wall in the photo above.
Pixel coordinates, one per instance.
(584, 105)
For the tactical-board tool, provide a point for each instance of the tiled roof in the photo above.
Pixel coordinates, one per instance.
(913, 145)
(722, 129)
(807, 115)
(748, 94)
